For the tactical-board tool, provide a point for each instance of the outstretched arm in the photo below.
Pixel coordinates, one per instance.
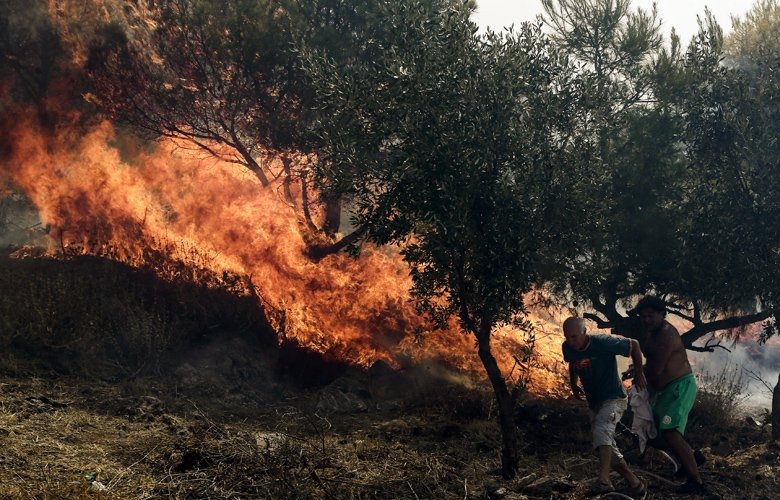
(636, 358)
(575, 388)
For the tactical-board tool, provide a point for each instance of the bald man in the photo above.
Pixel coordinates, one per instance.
(591, 359)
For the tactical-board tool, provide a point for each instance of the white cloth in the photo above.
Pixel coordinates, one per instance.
(642, 425)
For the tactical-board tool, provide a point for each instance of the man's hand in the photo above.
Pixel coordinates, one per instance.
(577, 392)
(639, 379)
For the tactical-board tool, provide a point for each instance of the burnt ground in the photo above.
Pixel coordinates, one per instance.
(202, 433)
(115, 384)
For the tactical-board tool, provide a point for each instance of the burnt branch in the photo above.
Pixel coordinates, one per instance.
(601, 323)
(709, 346)
(702, 329)
(317, 252)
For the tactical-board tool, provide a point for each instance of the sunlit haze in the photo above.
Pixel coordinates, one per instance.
(678, 14)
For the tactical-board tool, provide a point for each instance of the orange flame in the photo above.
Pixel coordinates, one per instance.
(99, 189)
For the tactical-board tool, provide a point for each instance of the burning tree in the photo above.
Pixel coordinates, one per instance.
(451, 145)
(225, 77)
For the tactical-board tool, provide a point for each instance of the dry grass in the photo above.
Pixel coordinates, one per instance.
(144, 441)
(72, 406)
(98, 317)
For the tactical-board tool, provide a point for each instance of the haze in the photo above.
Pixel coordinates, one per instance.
(497, 14)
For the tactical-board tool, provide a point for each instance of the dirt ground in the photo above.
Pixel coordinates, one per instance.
(148, 438)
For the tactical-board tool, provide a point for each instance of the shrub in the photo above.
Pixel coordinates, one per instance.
(95, 316)
(720, 397)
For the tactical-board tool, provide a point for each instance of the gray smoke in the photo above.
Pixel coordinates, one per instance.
(757, 364)
(19, 222)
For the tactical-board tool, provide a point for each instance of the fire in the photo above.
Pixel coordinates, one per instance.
(101, 191)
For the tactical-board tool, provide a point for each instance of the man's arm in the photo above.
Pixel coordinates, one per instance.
(575, 388)
(636, 358)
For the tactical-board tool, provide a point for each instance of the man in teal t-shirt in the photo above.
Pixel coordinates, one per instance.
(591, 359)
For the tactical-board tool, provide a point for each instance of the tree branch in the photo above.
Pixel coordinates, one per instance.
(703, 329)
(318, 252)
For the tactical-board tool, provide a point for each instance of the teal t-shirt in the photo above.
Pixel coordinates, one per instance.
(596, 366)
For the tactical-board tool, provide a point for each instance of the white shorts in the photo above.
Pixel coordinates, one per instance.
(603, 421)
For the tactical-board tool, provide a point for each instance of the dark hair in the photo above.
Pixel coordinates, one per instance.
(651, 302)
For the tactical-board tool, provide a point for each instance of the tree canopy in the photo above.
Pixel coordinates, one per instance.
(677, 145)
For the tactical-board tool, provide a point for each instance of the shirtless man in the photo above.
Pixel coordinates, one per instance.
(670, 377)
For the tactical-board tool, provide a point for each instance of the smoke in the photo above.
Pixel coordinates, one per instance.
(19, 221)
(758, 366)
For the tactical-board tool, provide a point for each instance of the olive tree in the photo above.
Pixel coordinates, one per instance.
(450, 145)
(679, 185)
(224, 77)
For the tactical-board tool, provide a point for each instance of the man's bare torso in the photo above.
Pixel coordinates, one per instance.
(667, 359)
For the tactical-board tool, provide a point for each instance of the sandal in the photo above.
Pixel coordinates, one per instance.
(599, 488)
(637, 491)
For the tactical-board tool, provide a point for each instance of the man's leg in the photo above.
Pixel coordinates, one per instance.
(604, 422)
(683, 452)
(605, 463)
(621, 467)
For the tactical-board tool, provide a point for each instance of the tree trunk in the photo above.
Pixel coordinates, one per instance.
(506, 406)
(332, 216)
(317, 252)
(251, 163)
(305, 202)
(776, 411)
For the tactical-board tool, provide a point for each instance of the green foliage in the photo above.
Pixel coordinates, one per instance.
(446, 143)
(680, 153)
(226, 72)
(732, 181)
(625, 142)
(451, 145)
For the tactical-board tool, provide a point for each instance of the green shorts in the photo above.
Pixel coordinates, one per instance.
(672, 404)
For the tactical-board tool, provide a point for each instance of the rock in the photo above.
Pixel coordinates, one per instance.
(502, 492)
(542, 486)
(334, 400)
(97, 486)
(526, 480)
(269, 441)
(43, 404)
(563, 485)
(498, 492)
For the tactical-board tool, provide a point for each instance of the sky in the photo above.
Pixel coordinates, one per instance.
(680, 14)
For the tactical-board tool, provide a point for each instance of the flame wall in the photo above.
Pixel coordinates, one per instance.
(97, 188)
